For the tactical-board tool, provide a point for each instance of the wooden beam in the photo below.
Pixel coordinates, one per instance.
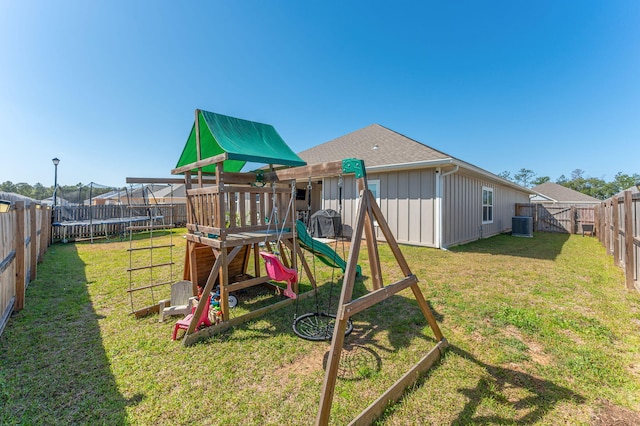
(245, 178)
(395, 392)
(375, 297)
(315, 171)
(198, 164)
(160, 181)
(218, 328)
(247, 283)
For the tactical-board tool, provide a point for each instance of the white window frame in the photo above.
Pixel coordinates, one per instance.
(375, 183)
(487, 205)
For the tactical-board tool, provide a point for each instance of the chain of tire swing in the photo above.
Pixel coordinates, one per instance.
(317, 326)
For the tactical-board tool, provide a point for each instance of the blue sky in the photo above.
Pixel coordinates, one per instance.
(110, 87)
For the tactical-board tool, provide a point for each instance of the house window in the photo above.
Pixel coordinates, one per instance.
(487, 205)
(374, 187)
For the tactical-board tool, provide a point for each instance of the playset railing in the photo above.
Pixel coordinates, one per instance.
(222, 210)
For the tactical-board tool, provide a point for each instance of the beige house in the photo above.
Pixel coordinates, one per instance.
(429, 198)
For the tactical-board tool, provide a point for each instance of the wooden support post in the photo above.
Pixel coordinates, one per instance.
(220, 210)
(367, 207)
(607, 227)
(33, 245)
(18, 243)
(224, 283)
(573, 222)
(198, 148)
(616, 232)
(207, 289)
(193, 266)
(596, 221)
(628, 240)
(370, 235)
(329, 385)
(304, 263)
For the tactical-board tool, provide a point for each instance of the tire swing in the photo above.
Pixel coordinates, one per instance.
(318, 326)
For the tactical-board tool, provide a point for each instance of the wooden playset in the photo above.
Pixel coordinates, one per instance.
(235, 216)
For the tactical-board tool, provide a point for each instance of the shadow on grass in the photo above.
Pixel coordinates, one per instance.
(543, 245)
(541, 395)
(524, 393)
(54, 366)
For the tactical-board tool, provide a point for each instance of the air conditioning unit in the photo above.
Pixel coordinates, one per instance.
(522, 226)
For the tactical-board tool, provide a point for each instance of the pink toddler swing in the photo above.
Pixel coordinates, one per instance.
(275, 269)
(278, 272)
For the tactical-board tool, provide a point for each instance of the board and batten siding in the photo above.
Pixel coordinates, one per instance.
(462, 208)
(406, 199)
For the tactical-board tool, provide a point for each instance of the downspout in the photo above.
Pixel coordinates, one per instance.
(439, 216)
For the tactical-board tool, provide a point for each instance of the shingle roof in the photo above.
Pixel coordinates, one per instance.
(374, 144)
(562, 194)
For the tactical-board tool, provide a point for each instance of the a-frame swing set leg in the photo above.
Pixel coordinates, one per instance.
(368, 210)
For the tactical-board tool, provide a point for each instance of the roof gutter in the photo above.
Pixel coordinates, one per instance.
(445, 162)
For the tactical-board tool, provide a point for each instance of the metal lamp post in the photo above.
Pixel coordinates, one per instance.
(56, 161)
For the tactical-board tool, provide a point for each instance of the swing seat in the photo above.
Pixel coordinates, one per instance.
(278, 272)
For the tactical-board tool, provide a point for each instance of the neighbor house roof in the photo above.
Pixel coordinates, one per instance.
(552, 192)
(383, 149)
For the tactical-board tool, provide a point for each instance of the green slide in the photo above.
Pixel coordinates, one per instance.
(321, 250)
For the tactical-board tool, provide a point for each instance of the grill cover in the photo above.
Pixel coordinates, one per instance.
(325, 224)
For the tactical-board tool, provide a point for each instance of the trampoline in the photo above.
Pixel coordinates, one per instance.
(104, 225)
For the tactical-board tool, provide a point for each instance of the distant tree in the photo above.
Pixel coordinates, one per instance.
(624, 181)
(540, 180)
(39, 192)
(25, 189)
(7, 186)
(577, 174)
(524, 177)
(561, 180)
(505, 175)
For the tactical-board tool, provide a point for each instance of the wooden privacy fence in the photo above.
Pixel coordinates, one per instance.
(564, 218)
(88, 222)
(618, 229)
(24, 238)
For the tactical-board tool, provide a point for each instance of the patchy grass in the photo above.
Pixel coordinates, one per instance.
(542, 332)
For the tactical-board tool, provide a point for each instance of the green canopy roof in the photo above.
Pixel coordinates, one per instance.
(241, 140)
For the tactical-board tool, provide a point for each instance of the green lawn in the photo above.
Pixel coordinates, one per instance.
(542, 331)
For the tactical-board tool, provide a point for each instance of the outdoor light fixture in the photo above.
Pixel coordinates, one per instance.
(56, 161)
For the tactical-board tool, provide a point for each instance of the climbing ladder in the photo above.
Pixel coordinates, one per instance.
(150, 261)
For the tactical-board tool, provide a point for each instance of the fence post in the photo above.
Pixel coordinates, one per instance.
(33, 241)
(616, 232)
(628, 241)
(573, 222)
(18, 242)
